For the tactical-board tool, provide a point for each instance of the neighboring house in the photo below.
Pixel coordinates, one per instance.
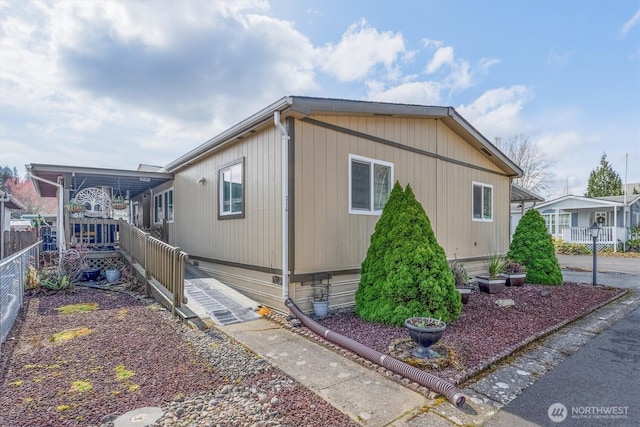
(342, 158)
(8, 203)
(569, 218)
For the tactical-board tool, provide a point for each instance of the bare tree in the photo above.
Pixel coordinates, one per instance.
(533, 162)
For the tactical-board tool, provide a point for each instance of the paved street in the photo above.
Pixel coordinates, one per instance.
(597, 385)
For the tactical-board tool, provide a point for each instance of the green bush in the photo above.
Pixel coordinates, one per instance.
(532, 246)
(405, 272)
(633, 245)
(565, 248)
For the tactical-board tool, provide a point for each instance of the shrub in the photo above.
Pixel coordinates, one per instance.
(533, 247)
(405, 273)
(633, 245)
(572, 248)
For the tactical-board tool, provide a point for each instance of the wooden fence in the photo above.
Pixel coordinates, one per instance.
(15, 241)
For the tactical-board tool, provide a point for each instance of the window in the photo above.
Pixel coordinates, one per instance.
(564, 221)
(163, 206)
(231, 191)
(369, 184)
(482, 202)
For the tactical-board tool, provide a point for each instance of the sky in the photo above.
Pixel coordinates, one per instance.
(118, 83)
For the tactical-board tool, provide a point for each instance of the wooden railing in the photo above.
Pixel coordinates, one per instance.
(96, 233)
(161, 262)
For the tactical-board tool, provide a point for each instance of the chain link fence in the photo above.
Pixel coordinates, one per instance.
(12, 277)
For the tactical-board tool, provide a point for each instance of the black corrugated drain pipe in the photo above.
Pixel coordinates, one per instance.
(423, 378)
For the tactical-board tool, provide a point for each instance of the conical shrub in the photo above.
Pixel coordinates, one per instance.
(405, 272)
(532, 246)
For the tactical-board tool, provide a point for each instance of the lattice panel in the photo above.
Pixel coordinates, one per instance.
(104, 261)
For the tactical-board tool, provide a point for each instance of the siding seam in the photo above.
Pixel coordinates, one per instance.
(394, 144)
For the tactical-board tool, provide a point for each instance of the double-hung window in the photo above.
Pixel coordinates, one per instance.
(231, 191)
(163, 206)
(482, 202)
(369, 184)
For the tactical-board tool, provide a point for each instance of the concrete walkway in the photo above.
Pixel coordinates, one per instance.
(363, 394)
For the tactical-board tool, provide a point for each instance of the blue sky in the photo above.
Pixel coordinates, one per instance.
(115, 84)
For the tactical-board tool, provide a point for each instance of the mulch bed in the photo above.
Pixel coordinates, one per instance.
(485, 332)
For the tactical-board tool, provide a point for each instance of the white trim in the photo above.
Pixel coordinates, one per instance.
(165, 208)
(372, 162)
(482, 185)
(221, 171)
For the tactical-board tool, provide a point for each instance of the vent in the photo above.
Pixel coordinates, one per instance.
(485, 151)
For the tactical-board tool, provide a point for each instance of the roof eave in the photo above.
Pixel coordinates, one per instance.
(230, 134)
(310, 106)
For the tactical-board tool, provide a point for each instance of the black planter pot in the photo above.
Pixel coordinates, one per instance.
(424, 336)
(91, 274)
(491, 285)
(516, 279)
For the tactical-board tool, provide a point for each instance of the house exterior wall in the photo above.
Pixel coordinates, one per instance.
(245, 253)
(329, 238)
(254, 240)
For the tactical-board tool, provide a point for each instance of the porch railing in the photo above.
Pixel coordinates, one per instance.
(161, 262)
(583, 235)
(97, 233)
(12, 276)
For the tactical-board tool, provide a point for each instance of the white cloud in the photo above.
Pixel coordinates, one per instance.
(627, 26)
(496, 113)
(360, 49)
(425, 93)
(443, 56)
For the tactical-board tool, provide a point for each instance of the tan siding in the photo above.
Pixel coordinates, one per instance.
(328, 238)
(253, 240)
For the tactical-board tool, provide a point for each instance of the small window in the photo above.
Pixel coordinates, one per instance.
(168, 205)
(231, 190)
(369, 184)
(163, 206)
(482, 202)
(158, 215)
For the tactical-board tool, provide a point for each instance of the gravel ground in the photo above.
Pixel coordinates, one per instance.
(131, 353)
(484, 330)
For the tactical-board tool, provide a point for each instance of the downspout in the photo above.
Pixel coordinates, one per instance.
(285, 204)
(452, 393)
(61, 237)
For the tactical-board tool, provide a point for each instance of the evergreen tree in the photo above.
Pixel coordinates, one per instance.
(406, 272)
(532, 246)
(604, 181)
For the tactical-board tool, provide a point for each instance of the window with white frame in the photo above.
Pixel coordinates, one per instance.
(369, 184)
(231, 191)
(563, 218)
(482, 202)
(163, 206)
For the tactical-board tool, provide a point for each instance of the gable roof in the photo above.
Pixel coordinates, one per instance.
(631, 198)
(301, 107)
(578, 202)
